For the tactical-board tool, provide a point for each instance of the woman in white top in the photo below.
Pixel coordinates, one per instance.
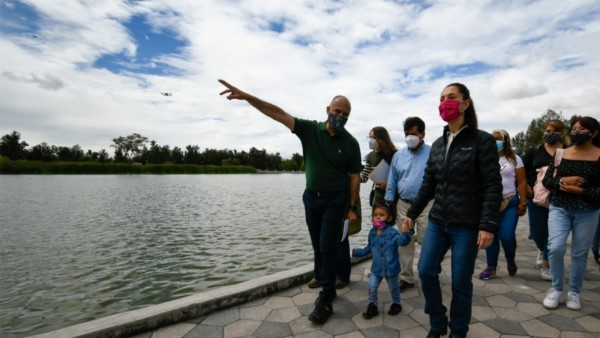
(514, 194)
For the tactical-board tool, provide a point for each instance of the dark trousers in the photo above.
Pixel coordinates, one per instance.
(325, 219)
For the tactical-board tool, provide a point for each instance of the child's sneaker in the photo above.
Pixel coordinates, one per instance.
(552, 299)
(573, 302)
(488, 273)
(395, 309)
(371, 312)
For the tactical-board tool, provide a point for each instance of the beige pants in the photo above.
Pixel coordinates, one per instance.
(407, 253)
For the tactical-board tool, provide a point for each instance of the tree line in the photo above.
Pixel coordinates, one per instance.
(136, 148)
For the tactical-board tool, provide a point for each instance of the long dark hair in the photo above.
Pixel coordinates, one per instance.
(590, 124)
(470, 115)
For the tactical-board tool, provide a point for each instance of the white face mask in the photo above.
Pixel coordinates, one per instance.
(412, 141)
(373, 144)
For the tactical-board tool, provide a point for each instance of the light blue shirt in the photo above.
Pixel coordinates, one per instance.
(406, 173)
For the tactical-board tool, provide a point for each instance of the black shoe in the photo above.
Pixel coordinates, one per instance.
(395, 309)
(319, 298)
(405, 285)
(597, 257)
(321, 313)
(340, 284)
(314, 283)
(454, 335)
(438, 334)
(435, 334)
(371, 311)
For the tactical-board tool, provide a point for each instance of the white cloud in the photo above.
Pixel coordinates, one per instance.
(389, 58)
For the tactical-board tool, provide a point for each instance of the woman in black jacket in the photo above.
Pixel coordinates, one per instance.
(463, 178)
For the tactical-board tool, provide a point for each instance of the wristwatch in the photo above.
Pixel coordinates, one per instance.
(353, 208)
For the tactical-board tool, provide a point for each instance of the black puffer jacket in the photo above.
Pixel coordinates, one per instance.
(466, 184)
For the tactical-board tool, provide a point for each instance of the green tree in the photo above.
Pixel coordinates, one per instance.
(130, 146)
(534, 135)
(43, 152)
(12, 147)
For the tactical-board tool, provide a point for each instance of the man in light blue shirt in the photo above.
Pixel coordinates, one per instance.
(403, 184)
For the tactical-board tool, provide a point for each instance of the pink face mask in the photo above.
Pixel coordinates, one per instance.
(449, 109)
(379, 223)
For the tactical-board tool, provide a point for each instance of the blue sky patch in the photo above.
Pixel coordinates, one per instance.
(151, 44)
(17, 17)
(461, 70)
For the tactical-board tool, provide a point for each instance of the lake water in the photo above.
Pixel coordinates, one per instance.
(77, 248)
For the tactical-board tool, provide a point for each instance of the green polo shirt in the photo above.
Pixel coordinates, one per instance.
(328, 160)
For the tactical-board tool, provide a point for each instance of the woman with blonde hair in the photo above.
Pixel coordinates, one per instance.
(514, 194)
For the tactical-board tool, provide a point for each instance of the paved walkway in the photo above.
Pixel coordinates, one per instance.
(502, 307)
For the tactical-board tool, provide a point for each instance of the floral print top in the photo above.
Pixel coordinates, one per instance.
(590, 170)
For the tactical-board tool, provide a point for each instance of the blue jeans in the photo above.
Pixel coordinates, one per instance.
(463, 245)
(325, 219)
(538, 221)
(392, 282)
(505, 236)
(580, 223)
(596, 242)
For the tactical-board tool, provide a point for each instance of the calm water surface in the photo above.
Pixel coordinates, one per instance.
(77, 248)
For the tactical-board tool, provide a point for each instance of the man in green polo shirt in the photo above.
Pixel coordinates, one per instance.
(332, 164)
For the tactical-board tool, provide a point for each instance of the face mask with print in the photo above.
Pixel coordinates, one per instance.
(580, 137)
(379, 223)
(373, 144)
(552, 138)
(500, 145)
(449, 110)
(412, 141)
(337, 122)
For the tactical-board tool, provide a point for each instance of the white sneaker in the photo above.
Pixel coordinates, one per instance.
(552, 298)
(545, 274)
(573, 302)
(540, 259)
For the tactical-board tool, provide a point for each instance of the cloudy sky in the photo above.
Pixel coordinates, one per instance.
(85, 72)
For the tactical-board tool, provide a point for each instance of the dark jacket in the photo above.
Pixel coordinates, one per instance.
(466, 184)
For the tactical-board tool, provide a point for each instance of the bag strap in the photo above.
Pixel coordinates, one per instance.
(557, 158)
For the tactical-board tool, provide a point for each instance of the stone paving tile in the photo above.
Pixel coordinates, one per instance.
(201, 331)
(503, 307)
(177, 330)
(273, 330)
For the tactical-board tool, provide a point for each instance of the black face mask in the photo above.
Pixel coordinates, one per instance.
(580, 137)
(552, 138)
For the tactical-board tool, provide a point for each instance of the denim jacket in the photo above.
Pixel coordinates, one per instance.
(384, 251)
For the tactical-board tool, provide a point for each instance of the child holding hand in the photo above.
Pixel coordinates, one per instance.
(383, 244)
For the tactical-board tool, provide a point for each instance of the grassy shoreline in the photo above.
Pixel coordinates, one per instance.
(24, 167)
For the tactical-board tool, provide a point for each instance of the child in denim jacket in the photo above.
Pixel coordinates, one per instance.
(383, 244)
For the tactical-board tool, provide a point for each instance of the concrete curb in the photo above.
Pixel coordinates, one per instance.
(133, 322)
(152, 317)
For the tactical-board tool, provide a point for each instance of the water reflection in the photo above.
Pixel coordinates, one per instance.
(77, 248)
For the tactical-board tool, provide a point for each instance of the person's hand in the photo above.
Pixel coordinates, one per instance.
(484, 239)
(407, 225)
(352, 217)
(381, 185)
(572, 184)
(529, 192)
(234, 92)
(521, 209)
